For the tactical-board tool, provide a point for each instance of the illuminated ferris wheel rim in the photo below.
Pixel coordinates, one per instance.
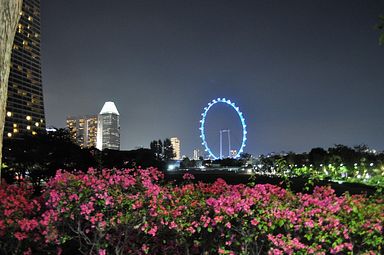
(202, 123)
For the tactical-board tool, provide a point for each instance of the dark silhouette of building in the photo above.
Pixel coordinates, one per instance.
(25, 105)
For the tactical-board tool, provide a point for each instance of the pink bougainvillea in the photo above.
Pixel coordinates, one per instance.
(133, 212)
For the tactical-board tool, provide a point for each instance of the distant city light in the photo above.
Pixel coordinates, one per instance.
(171, 167)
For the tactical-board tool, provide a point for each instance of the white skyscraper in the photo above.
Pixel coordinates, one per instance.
(196, 154)
(108, 128)
(176, 147)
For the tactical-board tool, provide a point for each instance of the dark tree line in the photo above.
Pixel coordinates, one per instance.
(38, 157)
(163, 150)
(337, 155)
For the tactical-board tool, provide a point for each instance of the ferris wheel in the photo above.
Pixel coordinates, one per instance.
(202, 126)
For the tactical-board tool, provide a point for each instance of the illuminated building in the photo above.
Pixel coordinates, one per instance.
(108, 128)
(83, 130)
(196, 154)
(25, 106)
(176, 147)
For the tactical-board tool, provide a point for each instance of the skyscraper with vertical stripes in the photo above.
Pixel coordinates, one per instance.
(108, 128)
(25, 104)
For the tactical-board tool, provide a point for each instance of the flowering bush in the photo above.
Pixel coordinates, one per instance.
(19, 226)
(133, 212)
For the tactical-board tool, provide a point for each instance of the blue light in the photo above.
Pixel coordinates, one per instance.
(242, 119)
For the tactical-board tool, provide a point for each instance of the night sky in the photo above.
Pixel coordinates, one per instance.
(304, 73)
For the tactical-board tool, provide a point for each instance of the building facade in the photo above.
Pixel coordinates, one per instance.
(83, 130)
(176, 148)
(25, 104)
(196, 154)
(108, 128)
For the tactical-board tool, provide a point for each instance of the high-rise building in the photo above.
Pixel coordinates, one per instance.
(196, 154)
(83, 130)
(108, 128)
(25, 105)
(176, 148)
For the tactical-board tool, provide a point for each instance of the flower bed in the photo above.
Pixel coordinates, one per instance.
(133, 212)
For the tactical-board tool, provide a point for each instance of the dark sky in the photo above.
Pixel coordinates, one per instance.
(304, 73)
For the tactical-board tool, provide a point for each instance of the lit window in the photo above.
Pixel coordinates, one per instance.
(14, 125)
(41, 121)
(9, 134)
(30, 18)
(29, 127)
(34, 133)
(15, 130)
(9, 114)
(37, 124)
(28, 117)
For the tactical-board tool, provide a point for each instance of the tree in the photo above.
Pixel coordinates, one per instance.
(10, 15)
(168, 150)
(157, 148)
(318, 156)
(38, 157)
(162, 149)
(347, 155)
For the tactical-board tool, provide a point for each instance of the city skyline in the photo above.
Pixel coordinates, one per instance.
(315, 81)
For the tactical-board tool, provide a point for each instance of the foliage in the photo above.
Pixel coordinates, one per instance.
(162, 149)
(39, 156)
(133, 212)
(338, 163)
(19, 222)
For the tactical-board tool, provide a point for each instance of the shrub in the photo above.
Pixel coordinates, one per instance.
(133, 212)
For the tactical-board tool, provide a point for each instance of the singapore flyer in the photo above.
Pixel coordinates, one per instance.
(203, 128)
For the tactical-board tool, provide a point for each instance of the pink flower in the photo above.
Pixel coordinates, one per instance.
(188, 176)
(20, 236)
(102, 252)
(86, 208)
(28, 252)
(153, 231)
(145, 248)
(275, 252)
(254, 222)
(172, 225)
(191, 230)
